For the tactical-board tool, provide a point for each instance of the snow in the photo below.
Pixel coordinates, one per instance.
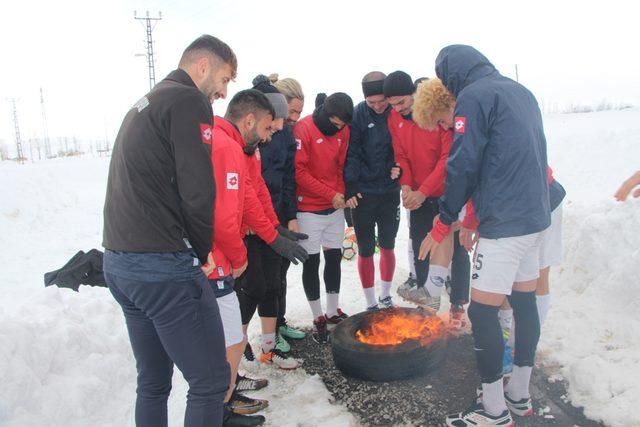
(65, 358)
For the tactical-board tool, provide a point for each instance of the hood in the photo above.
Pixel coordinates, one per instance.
(229, 128)
(459, 65)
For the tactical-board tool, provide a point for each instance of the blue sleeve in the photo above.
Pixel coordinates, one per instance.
(289, 202)
(465, 158)
(353, 163)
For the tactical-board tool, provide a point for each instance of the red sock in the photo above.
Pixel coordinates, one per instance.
(366, 270)
(387, 264)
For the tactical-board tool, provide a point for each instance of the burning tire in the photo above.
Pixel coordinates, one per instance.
(390, 358)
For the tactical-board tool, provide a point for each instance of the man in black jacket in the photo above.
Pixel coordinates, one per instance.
(158, 231)
(372, 189)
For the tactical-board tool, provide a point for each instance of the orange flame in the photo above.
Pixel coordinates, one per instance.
(396, 326)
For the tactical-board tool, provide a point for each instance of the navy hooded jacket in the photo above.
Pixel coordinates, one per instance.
(370, 155)
(277, 157)
(499, 152)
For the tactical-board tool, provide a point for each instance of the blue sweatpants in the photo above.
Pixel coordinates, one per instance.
(172, 317)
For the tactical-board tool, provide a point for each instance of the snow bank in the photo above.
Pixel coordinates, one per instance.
(65, 358)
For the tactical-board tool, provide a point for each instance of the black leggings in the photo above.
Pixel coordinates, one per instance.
(311, 276)
(460, 271)
(282, 297)
(421, 225)
(383, 211)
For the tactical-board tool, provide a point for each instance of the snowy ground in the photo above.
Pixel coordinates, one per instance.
(65, 358)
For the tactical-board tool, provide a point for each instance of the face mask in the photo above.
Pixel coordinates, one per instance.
(321, 120)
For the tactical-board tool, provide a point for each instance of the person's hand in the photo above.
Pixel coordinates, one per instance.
(428, 245)
(208, 268)
(414, 200)
(292, 225)
(468, 238)
(396, 171)
(627, 186)
(353, 202)
(291, 235)
(237, 272)
(289, 249)
(338, 201)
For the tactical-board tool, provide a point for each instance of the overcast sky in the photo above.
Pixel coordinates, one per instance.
(82, 52)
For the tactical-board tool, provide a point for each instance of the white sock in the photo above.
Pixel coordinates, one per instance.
(543, 302)
(518, 386)
(505, 318)
(332, 304)
(268, 342)
(385, 289)
(370, 295)
(493, 397)
(435, 279)
(316, 308)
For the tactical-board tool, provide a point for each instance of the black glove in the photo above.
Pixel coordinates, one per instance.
(291, 235)
(289, 250)
(352, 189)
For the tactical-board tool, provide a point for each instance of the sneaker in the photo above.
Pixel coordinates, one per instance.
(282, 344)
(404, 288)
(521, 408)
(248, 353)
(279, 360)
(288, 332)
(241, 404)
(373, 308)
(476, 416)
(333, 321)
(385, 302)
(237, 420)
(320, 335)
(249, 384)
(420, 296)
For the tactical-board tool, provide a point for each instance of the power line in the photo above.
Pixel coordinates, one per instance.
(17, 131)
(148, 21)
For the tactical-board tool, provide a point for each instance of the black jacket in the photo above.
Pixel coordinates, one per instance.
(277, 157)
(161, 191)
(370, 155)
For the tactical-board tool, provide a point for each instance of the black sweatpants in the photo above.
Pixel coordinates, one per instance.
(381, 210)
(421, 224)
(259, 286)
(460, 272)
(282, 295)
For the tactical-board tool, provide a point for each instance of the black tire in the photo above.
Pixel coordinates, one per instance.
(382, 363)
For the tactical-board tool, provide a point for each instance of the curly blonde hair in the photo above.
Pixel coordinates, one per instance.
(431, 100)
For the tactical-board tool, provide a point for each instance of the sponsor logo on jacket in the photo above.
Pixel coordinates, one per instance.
(206, 131)
(232, 181)
(460, 124)
(298, 144)
(319, 141)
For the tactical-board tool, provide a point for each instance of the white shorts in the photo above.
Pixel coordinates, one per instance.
(231, 320)
(498, 263)
(323, 230)
(551, 242)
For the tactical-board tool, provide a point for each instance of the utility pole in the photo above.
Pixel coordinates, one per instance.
(518, 80)
(149, 29)
(17, 132)
(47, 143)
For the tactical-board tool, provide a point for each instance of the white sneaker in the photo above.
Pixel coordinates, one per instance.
(476, 416)
(278, 359)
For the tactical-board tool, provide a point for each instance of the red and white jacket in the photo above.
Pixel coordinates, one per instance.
(422, 154)
(237, 206)
(319, 165)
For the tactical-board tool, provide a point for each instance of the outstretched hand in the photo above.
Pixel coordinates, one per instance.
(428, 245)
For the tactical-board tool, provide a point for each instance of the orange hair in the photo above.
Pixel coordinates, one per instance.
(431, 99)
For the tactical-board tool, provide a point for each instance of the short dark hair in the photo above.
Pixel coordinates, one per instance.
(249, 101)
(211, 45)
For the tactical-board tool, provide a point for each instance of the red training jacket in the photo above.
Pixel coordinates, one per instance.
(422, 154)
(319, 165)
(236, 206)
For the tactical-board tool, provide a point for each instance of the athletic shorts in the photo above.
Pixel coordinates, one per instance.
(231, 322)
(323, 230)
(498, 263)
(551, 242)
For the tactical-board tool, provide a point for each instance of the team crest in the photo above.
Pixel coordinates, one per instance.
(232, 181)
(206, 132)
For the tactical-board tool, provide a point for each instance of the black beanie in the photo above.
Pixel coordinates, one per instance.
(340, 105)
(263, 84)
(373, 88)
(398, 83)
